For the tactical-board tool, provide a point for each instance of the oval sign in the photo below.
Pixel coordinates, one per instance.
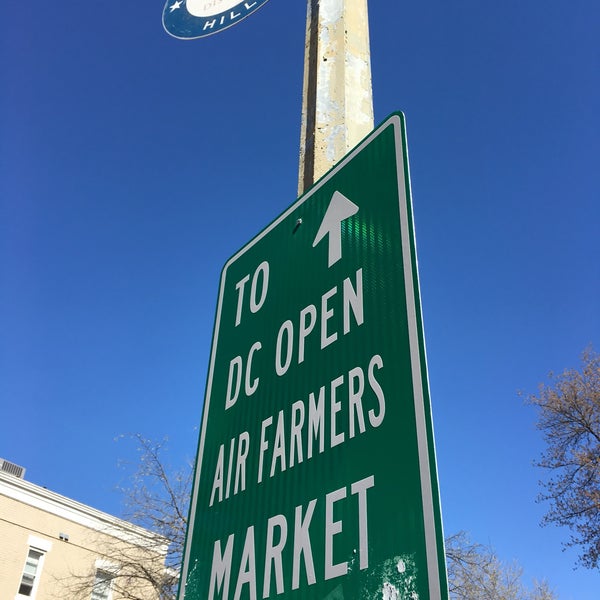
(191, 19)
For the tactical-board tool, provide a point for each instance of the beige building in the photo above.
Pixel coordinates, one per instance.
(53, 548)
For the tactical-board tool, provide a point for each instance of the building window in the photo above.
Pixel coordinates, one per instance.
(101, 589)
(30, 572)
(38, 547)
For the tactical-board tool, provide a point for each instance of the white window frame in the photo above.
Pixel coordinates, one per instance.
(106, 581)
(104, 566)
(42, 547)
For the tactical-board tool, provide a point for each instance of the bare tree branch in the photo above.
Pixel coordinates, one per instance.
(156, 498)
(476, 573)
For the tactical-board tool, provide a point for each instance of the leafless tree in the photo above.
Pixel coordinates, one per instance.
(142, 562)
(157, 498)
(569, 419)
(476, 573)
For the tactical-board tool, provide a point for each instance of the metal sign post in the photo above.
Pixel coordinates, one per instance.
(316, 474)
(337, 107)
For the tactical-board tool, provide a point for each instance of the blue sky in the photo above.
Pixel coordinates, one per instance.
(132, 165)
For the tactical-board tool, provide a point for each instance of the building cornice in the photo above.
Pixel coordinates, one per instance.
(43, 499)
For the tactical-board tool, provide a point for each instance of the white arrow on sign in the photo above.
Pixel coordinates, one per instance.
(339, 209)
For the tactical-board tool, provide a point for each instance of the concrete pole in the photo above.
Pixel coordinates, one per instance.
(337, 105)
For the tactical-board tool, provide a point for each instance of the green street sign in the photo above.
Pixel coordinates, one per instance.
(316, 474)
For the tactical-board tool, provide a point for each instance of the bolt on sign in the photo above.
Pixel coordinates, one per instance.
(192, 19)
(316, 475)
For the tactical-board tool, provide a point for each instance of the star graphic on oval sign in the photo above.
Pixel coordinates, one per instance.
(191, 19)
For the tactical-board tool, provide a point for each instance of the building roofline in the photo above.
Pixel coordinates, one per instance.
(77, 512)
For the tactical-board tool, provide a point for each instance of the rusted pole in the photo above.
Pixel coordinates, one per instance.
(337, 106)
